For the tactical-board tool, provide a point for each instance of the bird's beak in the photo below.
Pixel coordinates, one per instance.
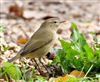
(62, 21)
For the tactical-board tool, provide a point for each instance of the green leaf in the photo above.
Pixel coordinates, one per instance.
(2, 28)
(98, 52)
(89, 53)
(65, 45)
(68, 49)
(5, 48)
(12, 70)
(77, 54)
(98, 55)
(40, 79)
(74, 26)
(82, 40)
(77, 64)
(75, 32)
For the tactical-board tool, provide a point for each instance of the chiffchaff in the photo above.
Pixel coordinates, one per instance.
(41, 41)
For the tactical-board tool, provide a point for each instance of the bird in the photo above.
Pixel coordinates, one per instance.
(41, 41)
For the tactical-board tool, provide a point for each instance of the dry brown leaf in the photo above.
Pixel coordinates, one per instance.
(63, 78)
(16, 10)
(21, 40)
(77, 73)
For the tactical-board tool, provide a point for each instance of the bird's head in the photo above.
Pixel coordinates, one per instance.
(52, 23)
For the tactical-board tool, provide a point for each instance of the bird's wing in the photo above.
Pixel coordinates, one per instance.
(36, 43)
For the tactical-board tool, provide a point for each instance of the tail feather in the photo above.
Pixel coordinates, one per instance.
(14, 58)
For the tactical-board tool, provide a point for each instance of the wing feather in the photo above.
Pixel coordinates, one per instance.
(36, 43)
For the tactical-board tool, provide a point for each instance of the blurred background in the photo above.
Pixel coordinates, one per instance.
(78, 10)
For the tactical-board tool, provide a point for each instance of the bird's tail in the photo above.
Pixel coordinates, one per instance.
(14, 58)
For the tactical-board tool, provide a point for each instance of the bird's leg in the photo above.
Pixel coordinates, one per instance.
(37, 66)
(44, 59)
(51, 69)
(48, 71)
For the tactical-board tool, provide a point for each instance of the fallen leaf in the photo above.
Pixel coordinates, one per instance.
(63, 78)
(22, 40)
(16, 10)
(77, 73)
